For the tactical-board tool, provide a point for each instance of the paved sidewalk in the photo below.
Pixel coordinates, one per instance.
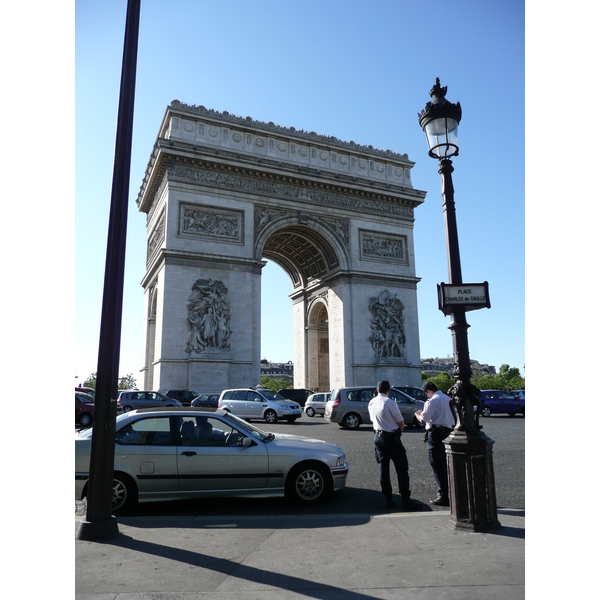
(397, 556)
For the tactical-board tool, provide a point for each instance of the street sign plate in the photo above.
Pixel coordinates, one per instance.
(468, 296)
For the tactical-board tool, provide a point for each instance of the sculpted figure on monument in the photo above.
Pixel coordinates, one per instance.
(209, 316)
(387, 325)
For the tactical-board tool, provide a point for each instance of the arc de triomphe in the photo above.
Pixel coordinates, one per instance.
(221, 194)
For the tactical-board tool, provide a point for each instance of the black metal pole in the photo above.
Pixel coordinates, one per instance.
(99, 522)
(468, 450)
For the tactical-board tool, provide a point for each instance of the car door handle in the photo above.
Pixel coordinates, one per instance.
(188, 453)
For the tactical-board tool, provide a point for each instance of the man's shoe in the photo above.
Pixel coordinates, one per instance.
(390, 503)
(440, 501)
(410, 504)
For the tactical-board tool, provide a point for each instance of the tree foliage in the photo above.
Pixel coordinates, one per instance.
(508, 378)
(125, 383)
(443, 381)
(274, 384)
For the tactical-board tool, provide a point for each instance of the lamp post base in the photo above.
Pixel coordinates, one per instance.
(96, 531)
(471, 478)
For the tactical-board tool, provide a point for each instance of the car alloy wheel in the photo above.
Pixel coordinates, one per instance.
(124, 493)
(85, 420)
(271, 416)
(127, 408)
(310, 411)
(352, 421)
(309, 483)
(485, 411)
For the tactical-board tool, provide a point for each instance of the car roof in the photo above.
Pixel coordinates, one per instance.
(178, 409)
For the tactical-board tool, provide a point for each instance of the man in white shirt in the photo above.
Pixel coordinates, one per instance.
(388, 424)
(439, 421)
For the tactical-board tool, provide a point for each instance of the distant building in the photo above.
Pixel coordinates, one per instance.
(277, 370)
(436, 366)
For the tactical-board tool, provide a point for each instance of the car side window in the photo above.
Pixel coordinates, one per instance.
(153, 431)
(254, 397)
(367, 395)
(353, 395)
(239, 395)
(399, 398)
(207, 431)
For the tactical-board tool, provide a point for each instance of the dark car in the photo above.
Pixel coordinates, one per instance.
(414, 392)
(184, 396)
(296, 395)
(206, 400)
(499, 401)
(84, 409)
(86, 390)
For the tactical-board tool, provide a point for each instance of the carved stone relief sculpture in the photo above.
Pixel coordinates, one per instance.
(387, 325)
(209, 317)
(217, 225)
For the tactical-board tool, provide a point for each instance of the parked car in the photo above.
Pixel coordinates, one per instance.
(259, 404)
(298, 395)
(86, 390)
(184, 396)
(499, 401)
(414, 392)
(315, 404)
(206, 400)
(84, 409)
(163, 454)
(130, 399)
(349, 407)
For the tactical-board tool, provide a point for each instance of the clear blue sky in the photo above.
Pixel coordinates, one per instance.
(355, 70)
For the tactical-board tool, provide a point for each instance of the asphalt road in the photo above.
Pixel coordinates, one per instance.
(362, 493)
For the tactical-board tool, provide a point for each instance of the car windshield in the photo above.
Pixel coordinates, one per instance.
(85, 398)
(259, 434)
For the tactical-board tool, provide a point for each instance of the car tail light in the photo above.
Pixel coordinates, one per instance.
(336, 402)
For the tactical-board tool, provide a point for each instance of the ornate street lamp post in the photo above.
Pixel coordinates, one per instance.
(468, 450)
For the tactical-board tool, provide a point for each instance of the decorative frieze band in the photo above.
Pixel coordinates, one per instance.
(281, 190)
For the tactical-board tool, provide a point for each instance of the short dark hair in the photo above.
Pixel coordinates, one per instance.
(383, 386)
(430, 386)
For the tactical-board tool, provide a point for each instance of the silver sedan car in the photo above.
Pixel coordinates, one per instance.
(168, 454)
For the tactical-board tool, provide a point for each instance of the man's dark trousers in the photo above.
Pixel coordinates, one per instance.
(437, 458)
(388, 450)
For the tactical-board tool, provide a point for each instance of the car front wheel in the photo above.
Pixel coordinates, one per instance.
(485, 411)
(127, 408)
(271, 416)
(309, 483)
(85, 420)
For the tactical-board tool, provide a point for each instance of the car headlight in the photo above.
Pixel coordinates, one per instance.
(340, 461)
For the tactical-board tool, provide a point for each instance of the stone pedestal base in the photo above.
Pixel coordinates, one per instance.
(94, 532)
(471, 478)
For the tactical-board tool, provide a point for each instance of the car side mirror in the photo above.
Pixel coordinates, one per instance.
(246, 442)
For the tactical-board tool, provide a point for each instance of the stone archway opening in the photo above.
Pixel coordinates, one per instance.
(318, 348)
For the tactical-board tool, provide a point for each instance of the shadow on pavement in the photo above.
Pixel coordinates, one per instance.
(232, 568)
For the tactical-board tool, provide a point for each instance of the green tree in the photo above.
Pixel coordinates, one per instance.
(274, 384)
(90, 381)
(443, 381)
(127, 383)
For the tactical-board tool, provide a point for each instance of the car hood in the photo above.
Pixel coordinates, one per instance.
(285, 402)
(285, 440)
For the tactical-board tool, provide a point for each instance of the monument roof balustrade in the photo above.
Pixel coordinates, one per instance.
(227, 140)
